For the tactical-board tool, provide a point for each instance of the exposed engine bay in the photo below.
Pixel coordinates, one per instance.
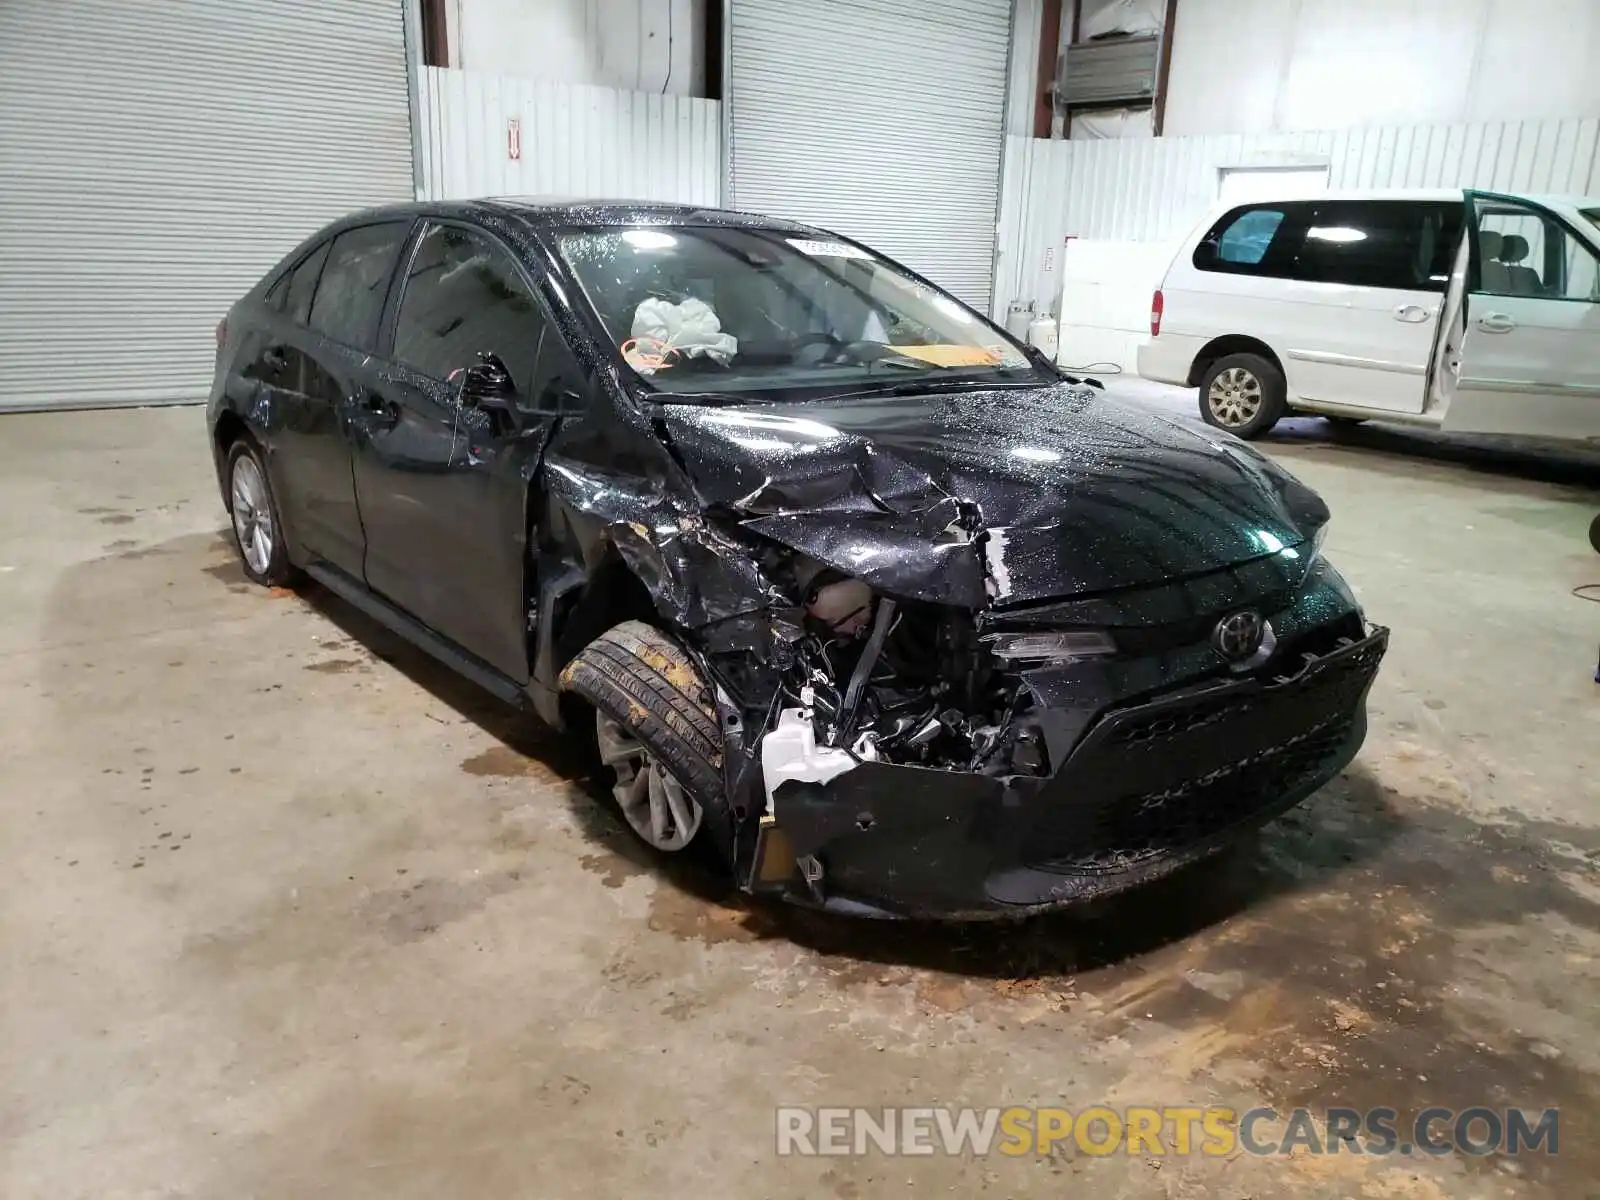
(904, 682)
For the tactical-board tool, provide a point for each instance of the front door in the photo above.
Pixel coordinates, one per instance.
(1530, 353)
(443, 486)
(1370, 279)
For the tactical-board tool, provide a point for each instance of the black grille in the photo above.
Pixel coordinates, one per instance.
(1179, 772)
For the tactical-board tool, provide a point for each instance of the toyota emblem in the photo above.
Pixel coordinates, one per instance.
(1239, 635)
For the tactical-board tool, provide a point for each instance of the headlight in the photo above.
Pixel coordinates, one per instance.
(1067, 646)
(1317, 538)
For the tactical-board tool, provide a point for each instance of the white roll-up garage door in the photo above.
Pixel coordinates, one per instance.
(880, 119)
(156, 159)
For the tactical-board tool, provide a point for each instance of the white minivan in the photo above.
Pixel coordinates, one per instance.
(1468, 311)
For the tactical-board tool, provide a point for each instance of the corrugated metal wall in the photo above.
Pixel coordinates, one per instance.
(155, 160)
(882, 120)
(1152, 190)
(571, 140)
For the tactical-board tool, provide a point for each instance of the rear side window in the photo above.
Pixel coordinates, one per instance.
(464, 295)
(1255, 239)
(349, 295)
(1246, 240)
(295, 289)
(1382, 244)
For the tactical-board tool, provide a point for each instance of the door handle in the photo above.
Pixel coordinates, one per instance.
(1412, 313)
(273, 358)
(1496, 323)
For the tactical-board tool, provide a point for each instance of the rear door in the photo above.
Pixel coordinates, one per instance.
(1366, 287)
(314, 363)
(1530, 355)
(443, 486)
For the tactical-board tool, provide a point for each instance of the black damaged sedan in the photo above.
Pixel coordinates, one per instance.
(853, 592)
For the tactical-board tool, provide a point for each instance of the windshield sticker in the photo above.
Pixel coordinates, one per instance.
(827, 249)
(1006, 356)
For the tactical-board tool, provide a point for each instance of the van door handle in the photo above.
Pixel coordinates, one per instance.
(1411, 313)
(1496, 323)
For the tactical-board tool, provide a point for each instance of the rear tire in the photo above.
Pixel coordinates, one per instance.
(1243, 394)
(657, 730)
(1594, 535)
(253, 514)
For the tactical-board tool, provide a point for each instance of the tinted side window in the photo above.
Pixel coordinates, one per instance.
(302, 283)
(1247, 239)
(1381, 244)
(463, 295)
(1255, 239)
(350, 294)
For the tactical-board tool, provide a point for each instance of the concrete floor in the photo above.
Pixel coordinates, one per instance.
(289, 911)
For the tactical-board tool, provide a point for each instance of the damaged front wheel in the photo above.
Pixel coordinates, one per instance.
(655, 727)
(651, 800)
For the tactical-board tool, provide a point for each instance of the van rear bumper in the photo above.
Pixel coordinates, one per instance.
(1167, 359)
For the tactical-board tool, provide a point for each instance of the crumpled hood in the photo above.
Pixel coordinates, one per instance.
(1009, 495)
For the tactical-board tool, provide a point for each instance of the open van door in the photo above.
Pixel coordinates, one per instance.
(1530, 352)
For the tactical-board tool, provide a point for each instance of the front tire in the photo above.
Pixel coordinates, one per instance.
(1243, 394)
(257, 525)
(656, 728)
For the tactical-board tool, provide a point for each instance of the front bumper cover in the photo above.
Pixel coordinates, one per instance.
(1147, 789)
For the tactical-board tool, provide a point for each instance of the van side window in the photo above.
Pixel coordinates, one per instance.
(1240, 241)
(1401, 244)
(1247, 239)
(1526, 252)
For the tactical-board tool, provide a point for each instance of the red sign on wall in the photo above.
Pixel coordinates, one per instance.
(513, 139)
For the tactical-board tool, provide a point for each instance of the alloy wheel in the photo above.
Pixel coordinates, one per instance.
(651, 800)
(252, 514)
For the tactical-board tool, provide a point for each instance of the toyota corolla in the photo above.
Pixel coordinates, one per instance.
(852, 591)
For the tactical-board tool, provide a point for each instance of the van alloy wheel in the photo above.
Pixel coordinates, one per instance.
(1235, 397)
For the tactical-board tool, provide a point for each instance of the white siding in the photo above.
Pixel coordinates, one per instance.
(1257, 66)
(156, 160)
(1155, 190)
(575, 140)
(657, 46)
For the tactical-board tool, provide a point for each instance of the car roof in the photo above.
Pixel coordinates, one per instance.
(552, 212)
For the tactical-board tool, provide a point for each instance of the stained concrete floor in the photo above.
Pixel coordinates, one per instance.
(286, 910)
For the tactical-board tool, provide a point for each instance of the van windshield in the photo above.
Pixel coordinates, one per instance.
(717, 309)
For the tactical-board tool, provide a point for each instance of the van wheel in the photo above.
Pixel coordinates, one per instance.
(656, 729)
(1242, 393)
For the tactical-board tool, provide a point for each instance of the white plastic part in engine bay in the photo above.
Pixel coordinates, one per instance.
(790, 751)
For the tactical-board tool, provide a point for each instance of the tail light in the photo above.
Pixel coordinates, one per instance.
(1158, 305)
(222, 332)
